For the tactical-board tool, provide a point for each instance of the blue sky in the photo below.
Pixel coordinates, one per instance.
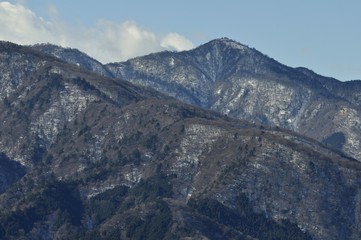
(324, 36)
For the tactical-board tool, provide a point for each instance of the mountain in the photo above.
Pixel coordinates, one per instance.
(74, 56)
(104, 159)
(241, 82)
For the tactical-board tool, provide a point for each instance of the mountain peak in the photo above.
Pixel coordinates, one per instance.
(227, 42)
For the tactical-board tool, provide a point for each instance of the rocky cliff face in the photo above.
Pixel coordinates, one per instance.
(102, 158)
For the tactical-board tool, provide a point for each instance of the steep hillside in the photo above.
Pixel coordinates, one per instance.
(73, 56)
(104, 159)
(41, 94)
(239, 81)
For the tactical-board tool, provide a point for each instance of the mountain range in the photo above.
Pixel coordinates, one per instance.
(233, 79)
(219, 142)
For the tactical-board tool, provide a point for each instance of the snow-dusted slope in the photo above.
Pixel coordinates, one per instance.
(73, 56)
(104, 158)
(239, 81)
(233, 79)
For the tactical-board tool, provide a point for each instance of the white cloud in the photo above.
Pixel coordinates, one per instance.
(176, 41)
(20, 24)
(106, 41)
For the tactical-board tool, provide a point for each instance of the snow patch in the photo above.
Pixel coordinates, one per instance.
(171, 63)
(208, 56)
